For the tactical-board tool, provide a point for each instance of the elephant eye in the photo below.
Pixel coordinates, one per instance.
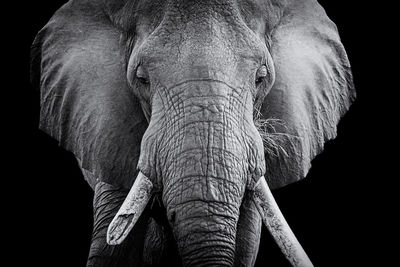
(141, 75)
(261, 74)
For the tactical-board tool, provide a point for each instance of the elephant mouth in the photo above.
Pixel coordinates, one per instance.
(141, 193)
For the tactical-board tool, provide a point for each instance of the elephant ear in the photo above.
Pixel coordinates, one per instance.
(78, 63)
(312, 91)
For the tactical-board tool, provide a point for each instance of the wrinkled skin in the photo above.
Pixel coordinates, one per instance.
(171, 87)
(202, 104)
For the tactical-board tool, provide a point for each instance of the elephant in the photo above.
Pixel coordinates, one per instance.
(184, 115)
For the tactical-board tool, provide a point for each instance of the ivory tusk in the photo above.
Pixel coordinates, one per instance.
(130, 211)
(278, 227)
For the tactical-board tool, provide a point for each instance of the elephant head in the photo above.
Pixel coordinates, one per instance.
(201, 106)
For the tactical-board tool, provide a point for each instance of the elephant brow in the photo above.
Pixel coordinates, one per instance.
(202, 80)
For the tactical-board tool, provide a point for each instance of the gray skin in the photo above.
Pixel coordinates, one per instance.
(204, 98)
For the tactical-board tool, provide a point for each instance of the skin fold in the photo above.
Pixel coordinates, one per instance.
(203, 98)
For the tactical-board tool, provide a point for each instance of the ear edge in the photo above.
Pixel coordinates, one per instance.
(51, 49)
(339, 83)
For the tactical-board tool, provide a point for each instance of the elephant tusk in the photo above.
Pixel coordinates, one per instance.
(277, 225)
(130, 211)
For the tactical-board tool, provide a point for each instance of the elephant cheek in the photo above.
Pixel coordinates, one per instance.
(148, 162)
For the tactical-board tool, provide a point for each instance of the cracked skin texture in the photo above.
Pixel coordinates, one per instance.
(200, 146)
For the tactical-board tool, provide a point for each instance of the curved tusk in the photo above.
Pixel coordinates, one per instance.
(277, 225)
(130, 211)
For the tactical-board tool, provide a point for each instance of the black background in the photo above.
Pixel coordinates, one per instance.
(337, 213)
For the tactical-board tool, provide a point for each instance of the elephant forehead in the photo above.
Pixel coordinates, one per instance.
(258, 15)
(142, 17)
(194, 30)
(218, 54)
(184, 11)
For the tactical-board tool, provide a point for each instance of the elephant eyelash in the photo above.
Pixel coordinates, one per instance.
(259, 80)
(143, 80)
(261, 74)
(141, 75)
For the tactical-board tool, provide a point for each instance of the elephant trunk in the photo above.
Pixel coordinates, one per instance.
(205, 158)
(205, 233)
(203, 189)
